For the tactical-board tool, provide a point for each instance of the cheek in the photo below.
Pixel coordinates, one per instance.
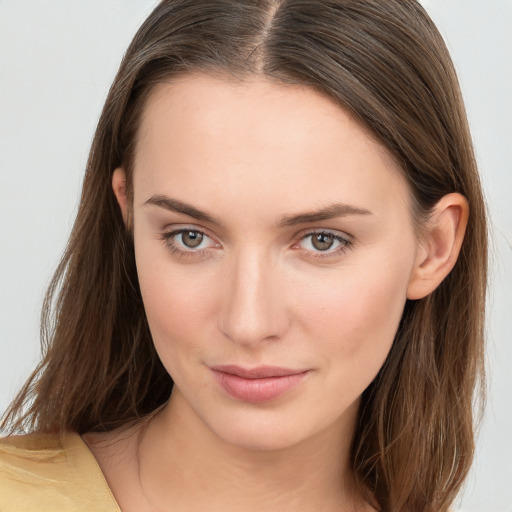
(356, 319)
(176, 301)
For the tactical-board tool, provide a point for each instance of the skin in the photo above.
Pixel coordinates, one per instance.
(257, 291)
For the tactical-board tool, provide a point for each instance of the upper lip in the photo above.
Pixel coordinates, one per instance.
(259, 372)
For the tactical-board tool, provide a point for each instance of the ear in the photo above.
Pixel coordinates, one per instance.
(119, 186)
(440, 245)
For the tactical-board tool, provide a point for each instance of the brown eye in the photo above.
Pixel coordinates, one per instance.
(191, 238)
(323, 244)
(189, 242)
(322, 241)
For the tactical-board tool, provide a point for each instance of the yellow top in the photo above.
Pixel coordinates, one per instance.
(46, 473)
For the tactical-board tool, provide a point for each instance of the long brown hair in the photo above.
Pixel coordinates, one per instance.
(386, 63)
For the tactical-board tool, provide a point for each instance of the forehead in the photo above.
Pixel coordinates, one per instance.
(259, 140)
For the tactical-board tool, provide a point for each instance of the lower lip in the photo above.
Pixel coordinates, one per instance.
(257, 390)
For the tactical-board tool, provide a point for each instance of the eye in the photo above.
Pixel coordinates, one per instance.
(324, 243)
(188, 241)
(191, 239)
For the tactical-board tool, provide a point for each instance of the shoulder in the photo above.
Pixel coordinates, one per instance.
(51, 472)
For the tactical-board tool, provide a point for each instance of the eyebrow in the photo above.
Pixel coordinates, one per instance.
(329, 212)
(174, 205)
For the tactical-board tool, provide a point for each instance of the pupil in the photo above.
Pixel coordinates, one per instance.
(323, 241)
(192, 238)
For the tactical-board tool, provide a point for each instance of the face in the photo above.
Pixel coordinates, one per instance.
(274, 245)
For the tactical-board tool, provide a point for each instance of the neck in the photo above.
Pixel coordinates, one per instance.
(183, 462)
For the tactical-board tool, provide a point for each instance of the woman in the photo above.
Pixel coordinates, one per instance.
(273, 294)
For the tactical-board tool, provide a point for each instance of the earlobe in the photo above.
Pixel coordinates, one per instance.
(440, 247)
(119, 187)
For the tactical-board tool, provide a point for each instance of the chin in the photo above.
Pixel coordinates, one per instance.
(261, 436)
(278, 426)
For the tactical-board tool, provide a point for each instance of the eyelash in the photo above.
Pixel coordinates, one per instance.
(345, 243)
(167, 239)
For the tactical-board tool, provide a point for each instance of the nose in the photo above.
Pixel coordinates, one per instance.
(254, 305)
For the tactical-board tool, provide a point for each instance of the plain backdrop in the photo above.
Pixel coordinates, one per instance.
(57, 59)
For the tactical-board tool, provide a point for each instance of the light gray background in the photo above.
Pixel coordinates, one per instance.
(57, 59)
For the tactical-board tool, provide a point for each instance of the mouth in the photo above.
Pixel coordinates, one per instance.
(257, 385)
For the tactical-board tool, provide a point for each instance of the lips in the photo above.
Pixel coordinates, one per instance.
(257, 385)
